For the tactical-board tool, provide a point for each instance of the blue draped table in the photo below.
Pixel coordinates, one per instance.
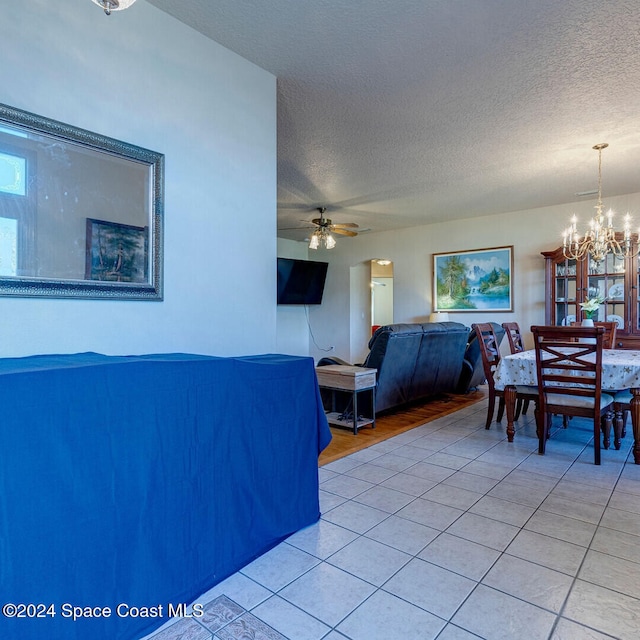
(146, 480)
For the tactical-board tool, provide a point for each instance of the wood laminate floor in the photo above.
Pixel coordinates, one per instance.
(345, 442)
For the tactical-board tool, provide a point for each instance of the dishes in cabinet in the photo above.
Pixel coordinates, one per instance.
(616, 292)
(596, 268)
(567, 320)
(618, 319)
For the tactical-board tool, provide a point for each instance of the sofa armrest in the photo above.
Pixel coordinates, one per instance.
(470, 377)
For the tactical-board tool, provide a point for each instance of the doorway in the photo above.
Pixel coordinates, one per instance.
(381, 293)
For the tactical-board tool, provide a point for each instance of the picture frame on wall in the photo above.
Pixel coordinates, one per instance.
(474, 281)
(116, 252)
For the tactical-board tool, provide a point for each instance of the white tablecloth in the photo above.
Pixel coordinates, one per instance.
(620, 369)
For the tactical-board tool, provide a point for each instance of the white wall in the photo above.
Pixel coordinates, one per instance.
(411, 250)
(144, 78)
(292, 332)
(297, 325)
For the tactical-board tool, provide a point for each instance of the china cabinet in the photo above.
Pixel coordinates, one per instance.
(614, 279)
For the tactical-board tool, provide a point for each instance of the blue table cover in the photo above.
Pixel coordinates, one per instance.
(145, 480)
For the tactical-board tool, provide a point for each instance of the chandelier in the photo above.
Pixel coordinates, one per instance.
(322, 237)
(600, 238)
(113, 5)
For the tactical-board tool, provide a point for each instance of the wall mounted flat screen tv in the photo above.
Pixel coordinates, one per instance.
(301, 281)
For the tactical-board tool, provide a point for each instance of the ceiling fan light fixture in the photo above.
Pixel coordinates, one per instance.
(323, 234)
(321, 237)
(113, 5)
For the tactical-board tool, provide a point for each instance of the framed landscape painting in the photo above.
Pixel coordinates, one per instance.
(479, 280)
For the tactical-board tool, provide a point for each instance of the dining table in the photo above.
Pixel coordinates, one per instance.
(620, 370)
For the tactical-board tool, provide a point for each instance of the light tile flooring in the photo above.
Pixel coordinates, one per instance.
(450, 532)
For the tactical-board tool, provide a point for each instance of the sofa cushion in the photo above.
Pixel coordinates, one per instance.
(440, 358)
(394, 351)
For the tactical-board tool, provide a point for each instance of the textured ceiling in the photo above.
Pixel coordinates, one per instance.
(399, 113)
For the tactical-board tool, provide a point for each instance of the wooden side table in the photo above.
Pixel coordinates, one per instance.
(353, 380)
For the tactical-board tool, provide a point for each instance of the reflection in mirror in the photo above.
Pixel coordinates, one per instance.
(381, 293)
(80, 214)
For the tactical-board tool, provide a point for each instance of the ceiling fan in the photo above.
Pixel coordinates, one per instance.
(325, 227)
(342, 229)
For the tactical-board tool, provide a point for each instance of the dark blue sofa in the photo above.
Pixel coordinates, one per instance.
(414, 361)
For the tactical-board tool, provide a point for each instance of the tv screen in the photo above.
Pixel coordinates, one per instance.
(301, 281)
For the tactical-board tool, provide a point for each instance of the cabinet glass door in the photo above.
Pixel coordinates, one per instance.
(634, 297)
(565, 289)
(606, 279)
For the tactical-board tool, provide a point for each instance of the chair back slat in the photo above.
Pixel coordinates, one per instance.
(516, 343)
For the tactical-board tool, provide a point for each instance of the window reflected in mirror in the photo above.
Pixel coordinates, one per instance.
(8, 247)
(12, 174)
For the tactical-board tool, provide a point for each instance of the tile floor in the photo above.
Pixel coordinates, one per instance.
(450, 532)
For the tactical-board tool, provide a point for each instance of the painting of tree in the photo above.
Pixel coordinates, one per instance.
(479, 280)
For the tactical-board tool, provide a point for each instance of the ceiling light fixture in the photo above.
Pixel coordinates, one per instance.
(322, 237)
(601, 237)
(113, 5)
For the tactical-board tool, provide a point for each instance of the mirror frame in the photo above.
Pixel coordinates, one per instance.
(94, 289)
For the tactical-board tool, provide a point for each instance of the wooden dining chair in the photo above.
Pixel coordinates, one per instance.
(514, 336)
(610, 328)
(569, 371)
(621, 399)
(516, 345)
(490, 354)
(621, 409)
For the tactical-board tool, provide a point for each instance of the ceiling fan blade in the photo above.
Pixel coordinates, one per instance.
(349, 225)
(343, 232)
(295, 228)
